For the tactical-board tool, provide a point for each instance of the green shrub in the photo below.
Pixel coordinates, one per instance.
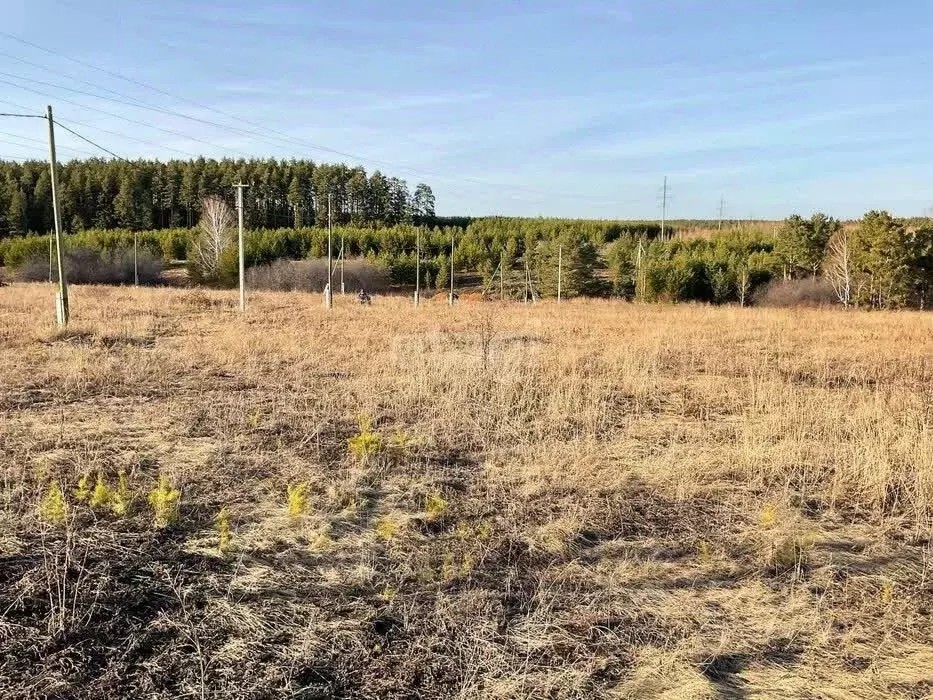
(366, 442)
(101, 495)
(121, 501)
(296, 496)
(16, 251)
(164, 503)
(53, 508)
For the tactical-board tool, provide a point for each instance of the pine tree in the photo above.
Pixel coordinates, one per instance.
(442, 281)
(801, 244)
(126, 206)
(295, 200)
(423, 203)
(16, 212)
(574, 256)
(881, 256)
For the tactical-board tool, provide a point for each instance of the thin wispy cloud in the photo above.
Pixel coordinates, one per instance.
(599, 99)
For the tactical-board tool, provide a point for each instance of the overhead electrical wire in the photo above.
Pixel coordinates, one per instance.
(85, 138)
(43, 143)
(24, 116)
(116, 133)
(121, 117)
(275, 134)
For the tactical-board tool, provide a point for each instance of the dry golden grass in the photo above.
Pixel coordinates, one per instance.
(592, 500)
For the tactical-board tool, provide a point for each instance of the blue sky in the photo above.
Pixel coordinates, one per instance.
(525, 108)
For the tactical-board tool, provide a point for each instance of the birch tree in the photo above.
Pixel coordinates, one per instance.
(215, 235)
(838, 265)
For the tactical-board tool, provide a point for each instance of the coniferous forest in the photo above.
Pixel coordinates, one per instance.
(148, 194)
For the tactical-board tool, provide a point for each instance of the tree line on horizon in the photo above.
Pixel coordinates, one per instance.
(152, 195)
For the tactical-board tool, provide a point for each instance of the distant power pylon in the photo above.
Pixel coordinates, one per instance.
(721, 204)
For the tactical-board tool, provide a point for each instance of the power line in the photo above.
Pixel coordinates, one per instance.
(117, 133)
(22, 145)
(185, 136)
(119, 116)
(281, 135)
(85, 138)
(63, 126)
(56, 72)
(147, 86)
(124, 118)
(274, 140)
(39, 141)
(112, 74)
(139, 104)
(129, 102)
(134, 138)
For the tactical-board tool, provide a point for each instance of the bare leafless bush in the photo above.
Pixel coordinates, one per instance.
(311, 276)
(812, 292)
(89, 266)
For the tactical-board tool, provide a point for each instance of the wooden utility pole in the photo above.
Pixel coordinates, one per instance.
(560, 270)
(638, 285)
(664, 208)
(239, 211)
(328, 294)
(501, 275)
(343, 288)
(451, 299)
(135, 259)
(527, 278)
(61, 302)
(418, 266)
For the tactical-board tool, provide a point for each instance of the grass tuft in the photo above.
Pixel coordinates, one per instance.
(366, 443)
(296, 499)
(223, 530)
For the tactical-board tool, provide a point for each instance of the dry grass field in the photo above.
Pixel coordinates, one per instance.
(593, 500)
